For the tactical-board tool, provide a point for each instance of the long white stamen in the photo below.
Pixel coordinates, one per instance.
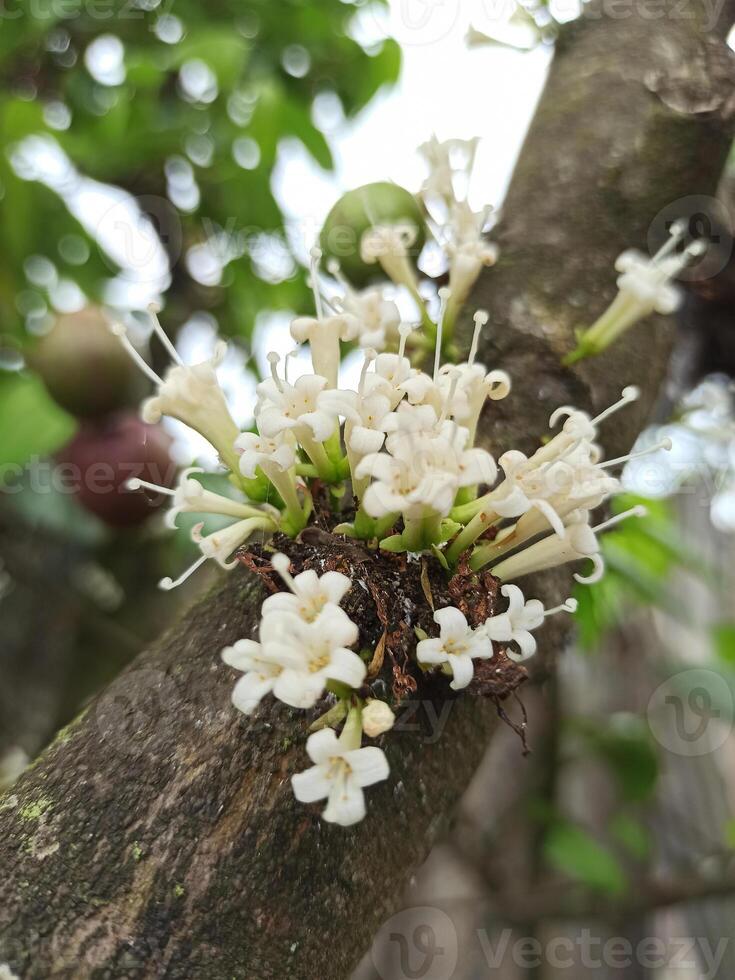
(273, 360)
(316, 255)
(134, 483)
(291, 353)
(450, 396)
(676, 233)
(664, 444)
(405, 330)
(282, 564)
(443, 300)
(169, 583)
(370, 356)
(480, 318)
(638, 511)
(569, 605)
(119, 330)
(629, 394)
(153, 309)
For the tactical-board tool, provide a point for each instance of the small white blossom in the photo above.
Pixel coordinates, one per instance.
(221, 544)
(340, 772)
(259, 674)
(457, 645)
(310, 593)
(313, 653)
(389, 245)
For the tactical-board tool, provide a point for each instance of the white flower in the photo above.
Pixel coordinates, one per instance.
(310, 593)
(412, 486)
(191, 394)
(457, 645)
(294, 406)
(474, 385)
(644, 286)
(377, 718)
(324, 335)
(339, 775)
(446, 160)
(389, 245)
(219, 545)
(313, 653)
(259, 451)
(259, 674)
(522, 616)
(190, 497)
(378, 316)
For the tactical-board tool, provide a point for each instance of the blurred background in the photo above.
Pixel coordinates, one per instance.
(187, 155)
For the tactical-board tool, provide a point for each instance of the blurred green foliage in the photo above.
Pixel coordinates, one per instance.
(141, 95)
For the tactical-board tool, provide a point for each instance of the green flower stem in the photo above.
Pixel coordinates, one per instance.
(465, 512)
(472, 531)
(421, 533)
(318, 455)
(351, 737)
(621, 314)
(306, 469)
(295, 518)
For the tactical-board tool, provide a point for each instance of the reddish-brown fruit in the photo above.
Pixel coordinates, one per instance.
(84, 366)
(102, 456)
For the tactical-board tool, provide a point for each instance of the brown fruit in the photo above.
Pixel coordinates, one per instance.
(98, 461)
(83, 365)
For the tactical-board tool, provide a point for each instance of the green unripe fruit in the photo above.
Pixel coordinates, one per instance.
(83, 365)
(356, 211)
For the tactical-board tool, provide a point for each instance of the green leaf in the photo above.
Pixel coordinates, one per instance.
(624, 743)
(631, 834)
(723, 638)
(576, 853)
(32, 423)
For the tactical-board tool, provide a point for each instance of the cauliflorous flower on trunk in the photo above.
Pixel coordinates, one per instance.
(644, 286)
(389, 245)
(191, 497)
(310, 593)
(457, 646)
(377, 315)
(521, 617)
(221, 544)
(313, 653)
(341, 771)
(191, 394)
(259, 673)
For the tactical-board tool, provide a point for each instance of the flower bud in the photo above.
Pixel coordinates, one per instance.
(377, 718)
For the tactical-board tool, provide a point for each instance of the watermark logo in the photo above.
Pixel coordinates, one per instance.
(691, 713)
(416, 944)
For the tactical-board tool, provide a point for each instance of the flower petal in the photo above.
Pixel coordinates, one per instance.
(312, 785)
(346, 666)
(249, 690)
(451, 621)
(369, 765)
(346, 804)
(463, 670)
(323, 746)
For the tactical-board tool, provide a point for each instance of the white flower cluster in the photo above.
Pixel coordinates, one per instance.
(402, 471)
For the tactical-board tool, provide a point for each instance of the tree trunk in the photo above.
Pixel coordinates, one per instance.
(158, 836)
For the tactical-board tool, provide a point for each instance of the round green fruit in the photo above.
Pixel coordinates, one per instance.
(84, 366)
(356, 212)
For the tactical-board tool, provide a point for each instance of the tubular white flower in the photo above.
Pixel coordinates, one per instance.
(377, 718)
(313, 653)
(578, 542)
(220, 545)
(457, 645)
(644, 286)
(191, 394)
(310, 593)
(377, 315)
(521, 617)
(190, 497)
(341, 771)
(324, 335)
(389, 245)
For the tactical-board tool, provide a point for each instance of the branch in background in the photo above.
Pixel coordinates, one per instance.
(158, 836)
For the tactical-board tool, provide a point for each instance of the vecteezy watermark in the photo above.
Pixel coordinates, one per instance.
(691, 713)
(423, 944)
(42, 475)
(54, 12)
(707, 220)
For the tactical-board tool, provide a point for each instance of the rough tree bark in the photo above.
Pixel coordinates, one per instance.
(158, 837)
